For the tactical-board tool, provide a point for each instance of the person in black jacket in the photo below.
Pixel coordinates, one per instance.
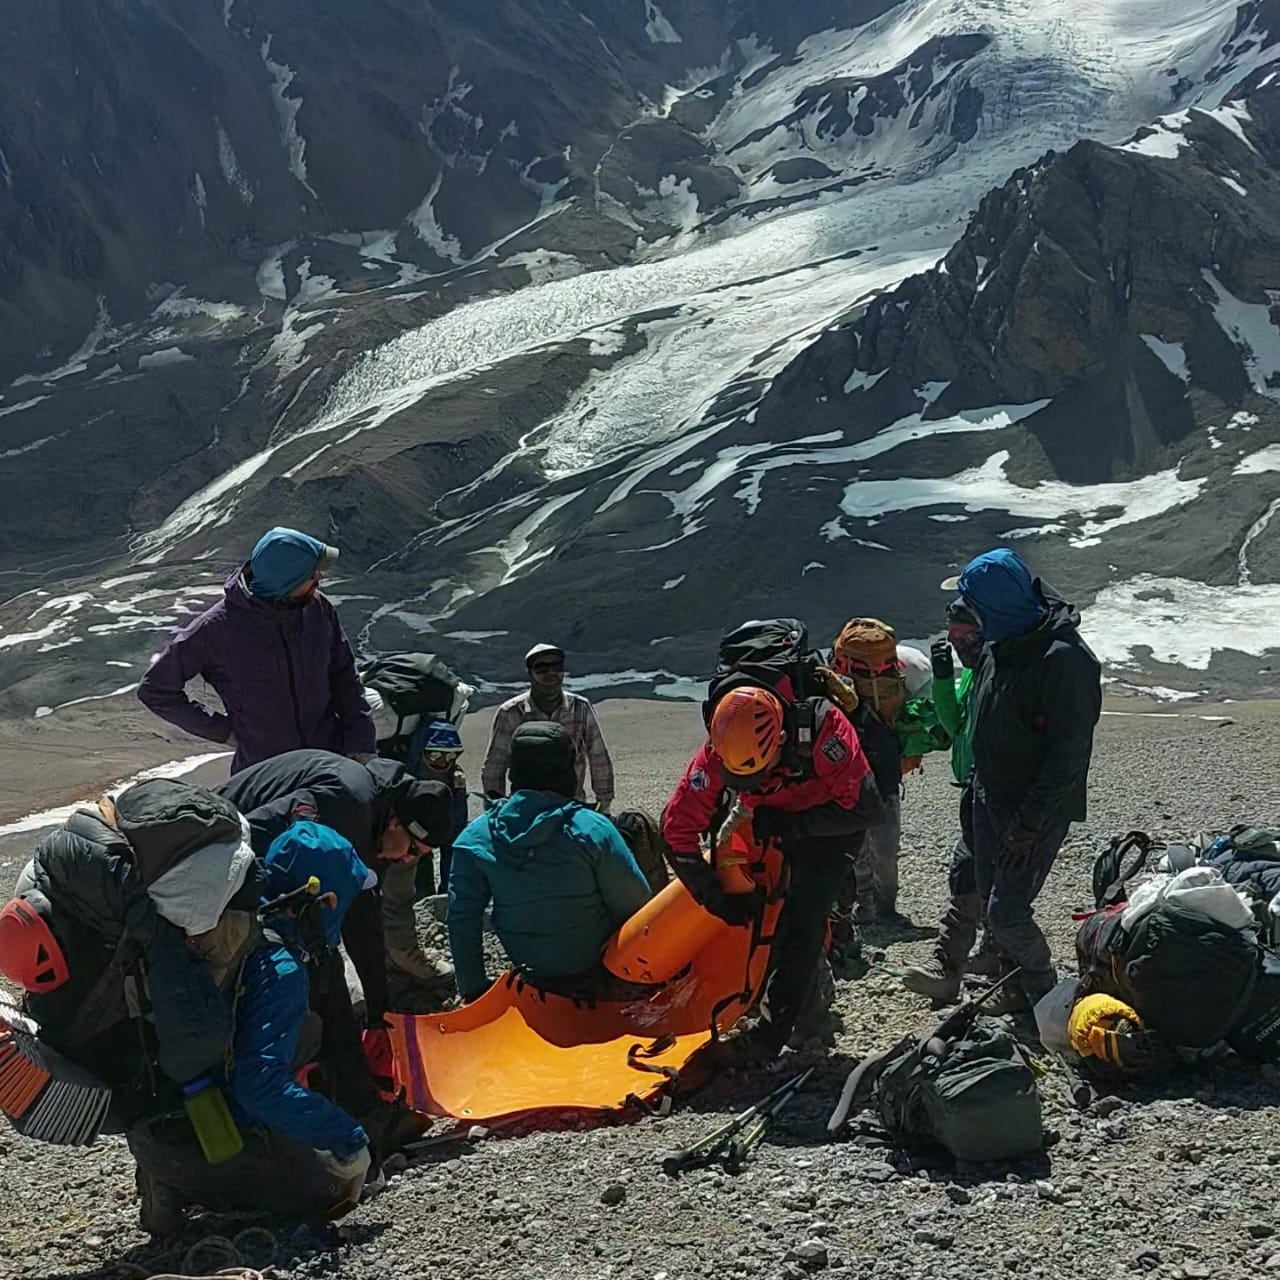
(1037, 696)
(390, 818)
(114, 878)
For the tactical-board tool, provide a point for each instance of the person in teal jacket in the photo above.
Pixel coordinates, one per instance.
(559, 875)
(941, 975)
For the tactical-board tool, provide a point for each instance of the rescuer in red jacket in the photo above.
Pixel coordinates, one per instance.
(796, 771)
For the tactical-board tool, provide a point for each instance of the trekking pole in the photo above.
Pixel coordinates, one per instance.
(741, 1147)
(705, 1149)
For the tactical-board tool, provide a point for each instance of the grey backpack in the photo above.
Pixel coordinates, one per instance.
(976, 1097)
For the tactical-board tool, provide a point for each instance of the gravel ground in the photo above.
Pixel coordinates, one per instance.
(1178, 1182)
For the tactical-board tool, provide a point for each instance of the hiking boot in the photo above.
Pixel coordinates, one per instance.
(743, 1049)
(162, 1210)
(936, 978)
(426, 967)
(815, 1021)
(391, 1126)
(985, 964)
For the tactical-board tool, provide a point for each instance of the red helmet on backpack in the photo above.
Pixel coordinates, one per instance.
(30, 956)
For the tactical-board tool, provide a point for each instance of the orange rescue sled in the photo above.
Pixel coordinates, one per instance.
(518, 1051)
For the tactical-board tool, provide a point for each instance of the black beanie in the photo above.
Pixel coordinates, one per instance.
(543, 758)
(425, 810)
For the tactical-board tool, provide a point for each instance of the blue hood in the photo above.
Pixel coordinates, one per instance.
(308, 849)
(1000, 589)
(527, 820)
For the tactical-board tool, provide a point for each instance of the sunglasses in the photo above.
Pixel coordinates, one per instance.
(546, 668)
(440, 759)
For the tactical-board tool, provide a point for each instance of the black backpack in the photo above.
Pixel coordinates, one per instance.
(1116, 865)
(412, 684)
(1256, 1035)
(1189, 978)
(1126, 857)
(773, 654)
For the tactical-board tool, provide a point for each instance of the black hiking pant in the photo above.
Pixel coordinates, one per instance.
(1007, 892)
(815, 870)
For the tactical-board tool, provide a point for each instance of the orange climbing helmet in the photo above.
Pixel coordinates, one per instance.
(30, 956)
(746, 731)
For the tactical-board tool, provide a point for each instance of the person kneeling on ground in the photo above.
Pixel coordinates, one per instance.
(390, 819)
(303, 1156)
(816, 800)
(560, 876)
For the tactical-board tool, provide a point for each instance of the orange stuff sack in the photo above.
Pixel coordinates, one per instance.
(521, 1052)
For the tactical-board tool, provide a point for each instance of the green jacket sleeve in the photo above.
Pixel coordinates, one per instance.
(949, 702)
(920, 730)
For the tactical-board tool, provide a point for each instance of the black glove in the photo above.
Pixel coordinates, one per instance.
(769, 823)
(1017, 848)
(704, 887)
(736, 908)
(943, 660)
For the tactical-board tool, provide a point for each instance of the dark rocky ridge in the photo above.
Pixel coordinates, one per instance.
(1047, 296)
(143, 142)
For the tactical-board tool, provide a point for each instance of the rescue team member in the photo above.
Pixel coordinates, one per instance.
(817, 803)
(440, 760)
(548, 699)
(941, 975)
(274, 652)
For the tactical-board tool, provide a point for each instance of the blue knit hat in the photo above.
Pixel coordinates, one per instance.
(283, 560)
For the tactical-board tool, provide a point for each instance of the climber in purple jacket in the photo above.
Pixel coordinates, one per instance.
(275, 653)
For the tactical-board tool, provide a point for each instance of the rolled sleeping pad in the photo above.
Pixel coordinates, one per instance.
(671, 928)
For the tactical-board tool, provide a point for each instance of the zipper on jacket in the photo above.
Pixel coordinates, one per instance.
(293, 689)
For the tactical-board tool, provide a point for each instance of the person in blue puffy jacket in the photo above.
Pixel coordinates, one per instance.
(273, 994)
(304, 1157)
(559, 875)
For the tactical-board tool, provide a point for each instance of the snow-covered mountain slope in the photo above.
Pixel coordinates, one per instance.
(838, 305)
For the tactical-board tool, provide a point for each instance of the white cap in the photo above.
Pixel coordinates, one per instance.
(542, 650)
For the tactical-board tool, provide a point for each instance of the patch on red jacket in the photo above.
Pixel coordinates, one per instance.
(698, 780)
(835, 750)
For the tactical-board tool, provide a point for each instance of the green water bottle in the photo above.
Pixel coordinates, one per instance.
(210, 1117)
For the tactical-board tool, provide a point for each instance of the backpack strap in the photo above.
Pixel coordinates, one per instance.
(1123, 859)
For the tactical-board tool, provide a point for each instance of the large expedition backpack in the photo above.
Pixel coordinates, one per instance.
(774, 654)
(1190, 978)
(412, 687)
(977, 1098)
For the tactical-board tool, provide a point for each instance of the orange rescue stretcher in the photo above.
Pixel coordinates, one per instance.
(517, 1052)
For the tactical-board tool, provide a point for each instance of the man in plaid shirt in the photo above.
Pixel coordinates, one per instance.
(547, 699)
